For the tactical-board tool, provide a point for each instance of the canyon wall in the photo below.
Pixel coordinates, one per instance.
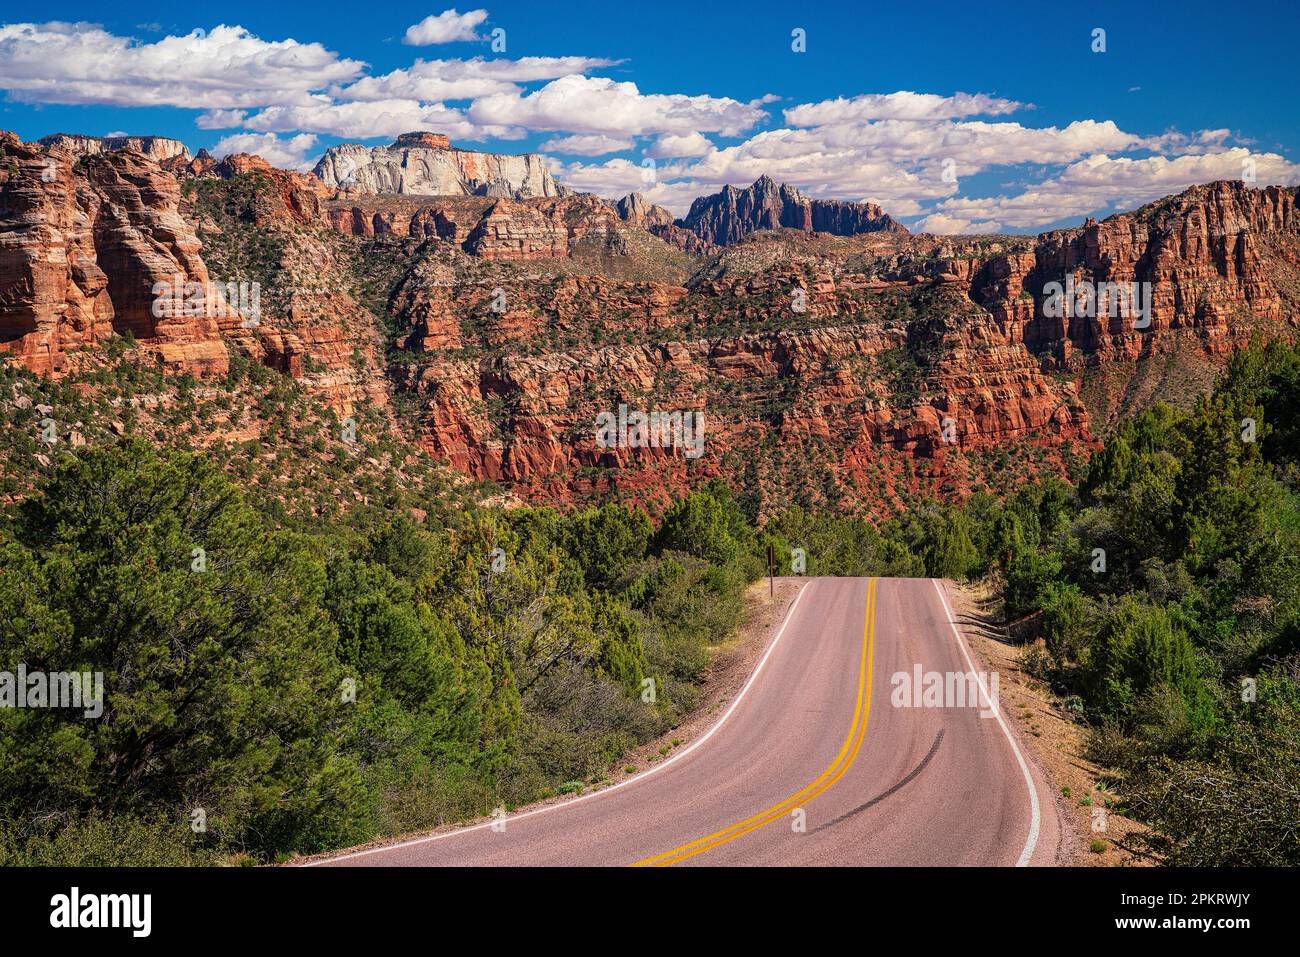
(157, 148)
(422, 164)
(854, 365)
(82, 247)
(105, 244)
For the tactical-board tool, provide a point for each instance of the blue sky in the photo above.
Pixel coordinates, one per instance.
(955, 117)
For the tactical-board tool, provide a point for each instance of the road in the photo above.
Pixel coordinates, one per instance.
(817, 761)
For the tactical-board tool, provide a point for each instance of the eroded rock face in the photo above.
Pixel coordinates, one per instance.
(897, 339)
(877, 367)
(423, 164)
(434, 141)
(828, 396)
(299, 197)
(863, 369)
(310, 324)
(87, 244)
(82, 248)
(142, 242)
(502, 229)
(511, 230)
(1212, 255)
(635, 211)
(157, 148)
(726, 217)
(182, 166)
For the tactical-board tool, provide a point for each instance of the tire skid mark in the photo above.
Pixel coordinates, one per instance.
(911, 776)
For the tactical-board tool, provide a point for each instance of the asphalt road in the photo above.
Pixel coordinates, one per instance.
(817, 761)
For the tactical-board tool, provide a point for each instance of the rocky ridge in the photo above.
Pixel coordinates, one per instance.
(831, 369)
(157, 148)
(426, 164)
(727, 216)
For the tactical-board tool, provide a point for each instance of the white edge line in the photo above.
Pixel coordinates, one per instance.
(1034, 815)
(789, 616)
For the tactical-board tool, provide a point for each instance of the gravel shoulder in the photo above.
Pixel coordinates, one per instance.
(1052, 738)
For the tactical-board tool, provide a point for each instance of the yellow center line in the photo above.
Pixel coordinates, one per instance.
(843, 760)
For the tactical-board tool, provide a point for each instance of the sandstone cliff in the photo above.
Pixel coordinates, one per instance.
(1222, 262)
(634, 210)
(725, 217)
(863, 370)
(82, 247)
(88, 242)
(844, 398)
(158, 148)
(311, 324)
(425, 164)
(828, 367)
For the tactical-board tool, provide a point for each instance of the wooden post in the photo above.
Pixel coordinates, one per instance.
(771, 571)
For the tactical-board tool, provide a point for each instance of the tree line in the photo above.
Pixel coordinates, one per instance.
(275, 689)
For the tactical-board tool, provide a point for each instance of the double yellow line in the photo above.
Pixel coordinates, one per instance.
(843, 761)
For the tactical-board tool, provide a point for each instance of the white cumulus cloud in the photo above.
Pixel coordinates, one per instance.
(677, 146)
(942, 224)
(287, 153)
(225, 67)
(466, 79)
(447, 27)
(588, 144)
(582, 104)
(1105, 184)
(903, 105)
(386, 118)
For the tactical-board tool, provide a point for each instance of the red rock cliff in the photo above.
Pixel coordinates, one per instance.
(84, 244)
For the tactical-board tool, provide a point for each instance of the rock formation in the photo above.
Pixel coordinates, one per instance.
(527, 229)
(635, 211)
(426, 164)
(849, 387)
(837, 358)
(725, 217)
(106, 246)
(157, 148)
(82, 251)
(433, 141)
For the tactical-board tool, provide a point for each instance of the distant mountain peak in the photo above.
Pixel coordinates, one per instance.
(422, 139)
(734, 212)
(79, 144)
(423, 163)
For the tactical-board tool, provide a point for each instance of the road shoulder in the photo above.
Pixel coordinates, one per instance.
(1050, 737)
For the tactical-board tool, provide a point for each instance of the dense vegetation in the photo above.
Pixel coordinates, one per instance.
(309, 690)
(310, 678)
(1167, 592)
